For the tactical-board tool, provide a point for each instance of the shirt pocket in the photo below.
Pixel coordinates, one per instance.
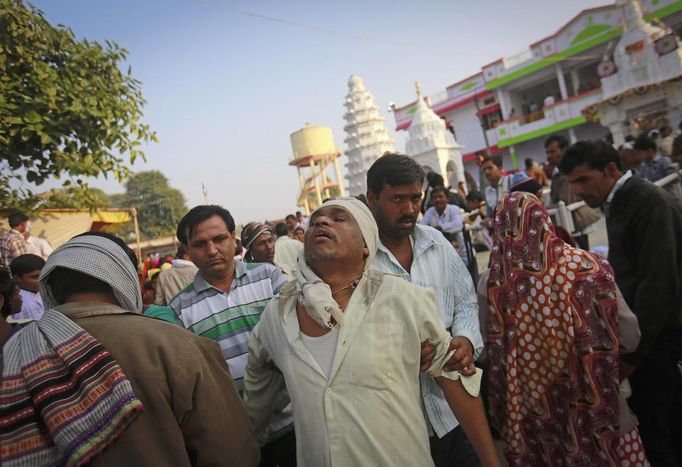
(376, 355)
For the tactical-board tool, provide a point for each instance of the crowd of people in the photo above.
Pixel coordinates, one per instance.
(362, 335)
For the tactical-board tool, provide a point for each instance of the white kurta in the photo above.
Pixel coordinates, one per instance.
(367, 412)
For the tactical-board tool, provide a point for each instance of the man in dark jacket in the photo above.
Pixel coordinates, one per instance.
(644, 226)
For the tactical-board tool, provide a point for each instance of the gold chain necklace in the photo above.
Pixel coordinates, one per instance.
(352, 285)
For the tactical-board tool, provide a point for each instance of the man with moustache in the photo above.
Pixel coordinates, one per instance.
(224, 303)
(644, 227)
(421, 255)
(345, 340)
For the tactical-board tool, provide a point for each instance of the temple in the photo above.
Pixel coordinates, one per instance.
(433, 146)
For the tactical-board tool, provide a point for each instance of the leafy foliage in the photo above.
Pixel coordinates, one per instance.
(75, 198)
(66, 109)
(159, 206)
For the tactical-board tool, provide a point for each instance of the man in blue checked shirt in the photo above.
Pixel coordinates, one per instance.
(421, 255)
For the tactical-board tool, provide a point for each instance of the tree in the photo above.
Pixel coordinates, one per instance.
(66, 109)
(159, 206)
(74, 198)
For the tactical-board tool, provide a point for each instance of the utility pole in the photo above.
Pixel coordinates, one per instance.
(204, 191)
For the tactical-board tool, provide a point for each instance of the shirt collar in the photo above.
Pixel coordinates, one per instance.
(447, 209)
(75, 310)
(621, 181)
(419, 240)
(201, 284)
(500, 186)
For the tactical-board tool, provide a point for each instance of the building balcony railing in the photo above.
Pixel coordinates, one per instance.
(557, 116)
(492, 137)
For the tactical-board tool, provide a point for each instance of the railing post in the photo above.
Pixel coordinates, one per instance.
(564, 217)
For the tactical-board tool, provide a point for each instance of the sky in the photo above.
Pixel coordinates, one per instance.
(227, 82)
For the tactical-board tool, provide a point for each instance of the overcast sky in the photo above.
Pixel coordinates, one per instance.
(228, 81)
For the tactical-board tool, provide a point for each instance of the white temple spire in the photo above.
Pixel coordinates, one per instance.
(366, 135)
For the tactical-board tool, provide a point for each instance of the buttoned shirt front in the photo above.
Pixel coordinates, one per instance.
(450, 222)
(367, 411)
(436, 265)
(493, 194)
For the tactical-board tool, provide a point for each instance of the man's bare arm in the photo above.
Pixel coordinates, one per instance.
(469, 411)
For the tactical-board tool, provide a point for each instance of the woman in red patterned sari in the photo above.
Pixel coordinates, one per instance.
(553, 346)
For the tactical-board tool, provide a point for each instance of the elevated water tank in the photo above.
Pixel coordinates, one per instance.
(312, 140)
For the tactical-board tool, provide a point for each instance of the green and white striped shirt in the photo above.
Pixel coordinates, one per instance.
(229, 318)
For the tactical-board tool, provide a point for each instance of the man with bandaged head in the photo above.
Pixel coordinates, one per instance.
(94, 381)
(346, 342)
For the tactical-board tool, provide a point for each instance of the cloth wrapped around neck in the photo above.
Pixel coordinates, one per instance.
(313, 293)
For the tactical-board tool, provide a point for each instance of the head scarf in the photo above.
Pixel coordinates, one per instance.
(251, 232)
(64, 398)
(314, 294)
(100, 258)
(552, 344)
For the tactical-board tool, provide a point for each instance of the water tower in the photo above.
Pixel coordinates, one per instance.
(314, 156)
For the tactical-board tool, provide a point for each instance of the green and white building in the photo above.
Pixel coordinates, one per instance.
(566, 83)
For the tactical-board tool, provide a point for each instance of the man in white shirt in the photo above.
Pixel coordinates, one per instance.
(446, 218)
(498, 184)
(303, 220)
(286, 249)
(421, 255)
(36, 245)
(346, 340)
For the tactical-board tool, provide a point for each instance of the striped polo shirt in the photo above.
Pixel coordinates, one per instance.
(229, 318)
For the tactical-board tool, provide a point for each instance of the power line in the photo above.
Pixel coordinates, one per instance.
(311, 27)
